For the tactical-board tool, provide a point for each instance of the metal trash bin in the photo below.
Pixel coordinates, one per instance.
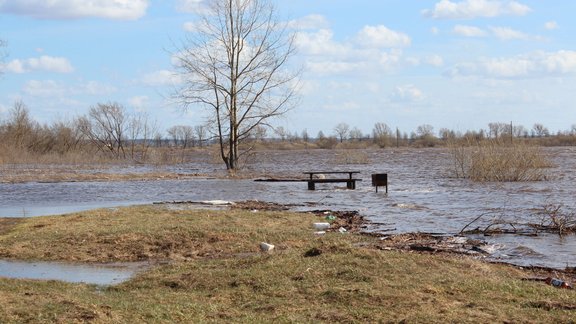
(380, 180)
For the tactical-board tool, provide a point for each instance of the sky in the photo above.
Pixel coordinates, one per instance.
(456, 64)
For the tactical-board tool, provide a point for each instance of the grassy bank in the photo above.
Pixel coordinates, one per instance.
(216, 273)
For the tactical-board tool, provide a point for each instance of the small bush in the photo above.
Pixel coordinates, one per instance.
(352, 157)
(494, 161)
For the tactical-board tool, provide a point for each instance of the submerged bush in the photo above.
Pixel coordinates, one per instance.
(495, 161)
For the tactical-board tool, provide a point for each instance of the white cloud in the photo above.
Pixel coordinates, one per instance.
(389, 59)
(161, 78)
(469, 31)
(372, 49)
(191, 6)
(139, 103)
(505, 33)
(320, 43)
(470, 9)
(191, 26)
(51, 88)
(43, 63)
(333, 67)
(70, 9)
(538, 64)
(407, 93)
(502, 33)
(309, 22)
(434, 60)
(45, 88)
(309, 87)
(551, 25)
(382, 37)
(93, 88)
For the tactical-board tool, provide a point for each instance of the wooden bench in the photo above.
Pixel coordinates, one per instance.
(350, 181)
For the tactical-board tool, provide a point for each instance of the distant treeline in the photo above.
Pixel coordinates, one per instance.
(107, 132)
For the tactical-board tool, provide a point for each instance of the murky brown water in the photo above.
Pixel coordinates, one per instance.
(422, 197)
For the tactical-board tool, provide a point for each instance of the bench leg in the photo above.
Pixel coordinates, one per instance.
(311, 185)
(351, 184)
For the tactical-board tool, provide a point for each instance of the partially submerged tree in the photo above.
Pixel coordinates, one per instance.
(235, 64)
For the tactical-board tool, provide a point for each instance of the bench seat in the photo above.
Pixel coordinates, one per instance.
(350, 182)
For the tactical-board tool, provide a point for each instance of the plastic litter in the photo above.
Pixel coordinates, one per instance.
(558, 283)
(321, 226)
(342, 230)
(320, 233)
(265, 247)
(330, 218)
(217, 202)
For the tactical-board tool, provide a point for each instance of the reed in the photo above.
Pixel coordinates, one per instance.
(491, 160)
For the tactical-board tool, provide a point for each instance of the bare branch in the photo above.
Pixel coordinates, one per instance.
(235, 65)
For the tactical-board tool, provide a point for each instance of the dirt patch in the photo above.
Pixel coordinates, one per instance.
(7, 224)
(260, 205)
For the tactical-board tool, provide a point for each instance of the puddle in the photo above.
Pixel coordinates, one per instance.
(104, 275)
(33, 211)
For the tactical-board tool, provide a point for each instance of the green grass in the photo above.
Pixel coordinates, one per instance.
(308, 278)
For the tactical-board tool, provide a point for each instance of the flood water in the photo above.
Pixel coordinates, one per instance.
(422, 197)
(78, 273)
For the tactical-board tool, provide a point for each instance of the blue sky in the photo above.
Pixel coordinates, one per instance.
(457, 64)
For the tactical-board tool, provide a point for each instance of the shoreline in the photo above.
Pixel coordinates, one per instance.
(209, 264)
(353, 222)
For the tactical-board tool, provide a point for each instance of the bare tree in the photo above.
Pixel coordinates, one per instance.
(356, 134)
(425, 130)
(20, 126)
(281, 132)
(259, 133)
(539, 130)
(424, 135)
(235, 65)
(67, 136)
(182, 135)
(497, 130)
(105, 126)
(381, 134)
(140, 129)
(519, 131)
(446, 134)
(158, 140)
(305, 136)
(201, 134)
(342, 130)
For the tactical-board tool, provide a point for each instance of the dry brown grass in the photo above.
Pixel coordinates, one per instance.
(217, 274)
(147, 233)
